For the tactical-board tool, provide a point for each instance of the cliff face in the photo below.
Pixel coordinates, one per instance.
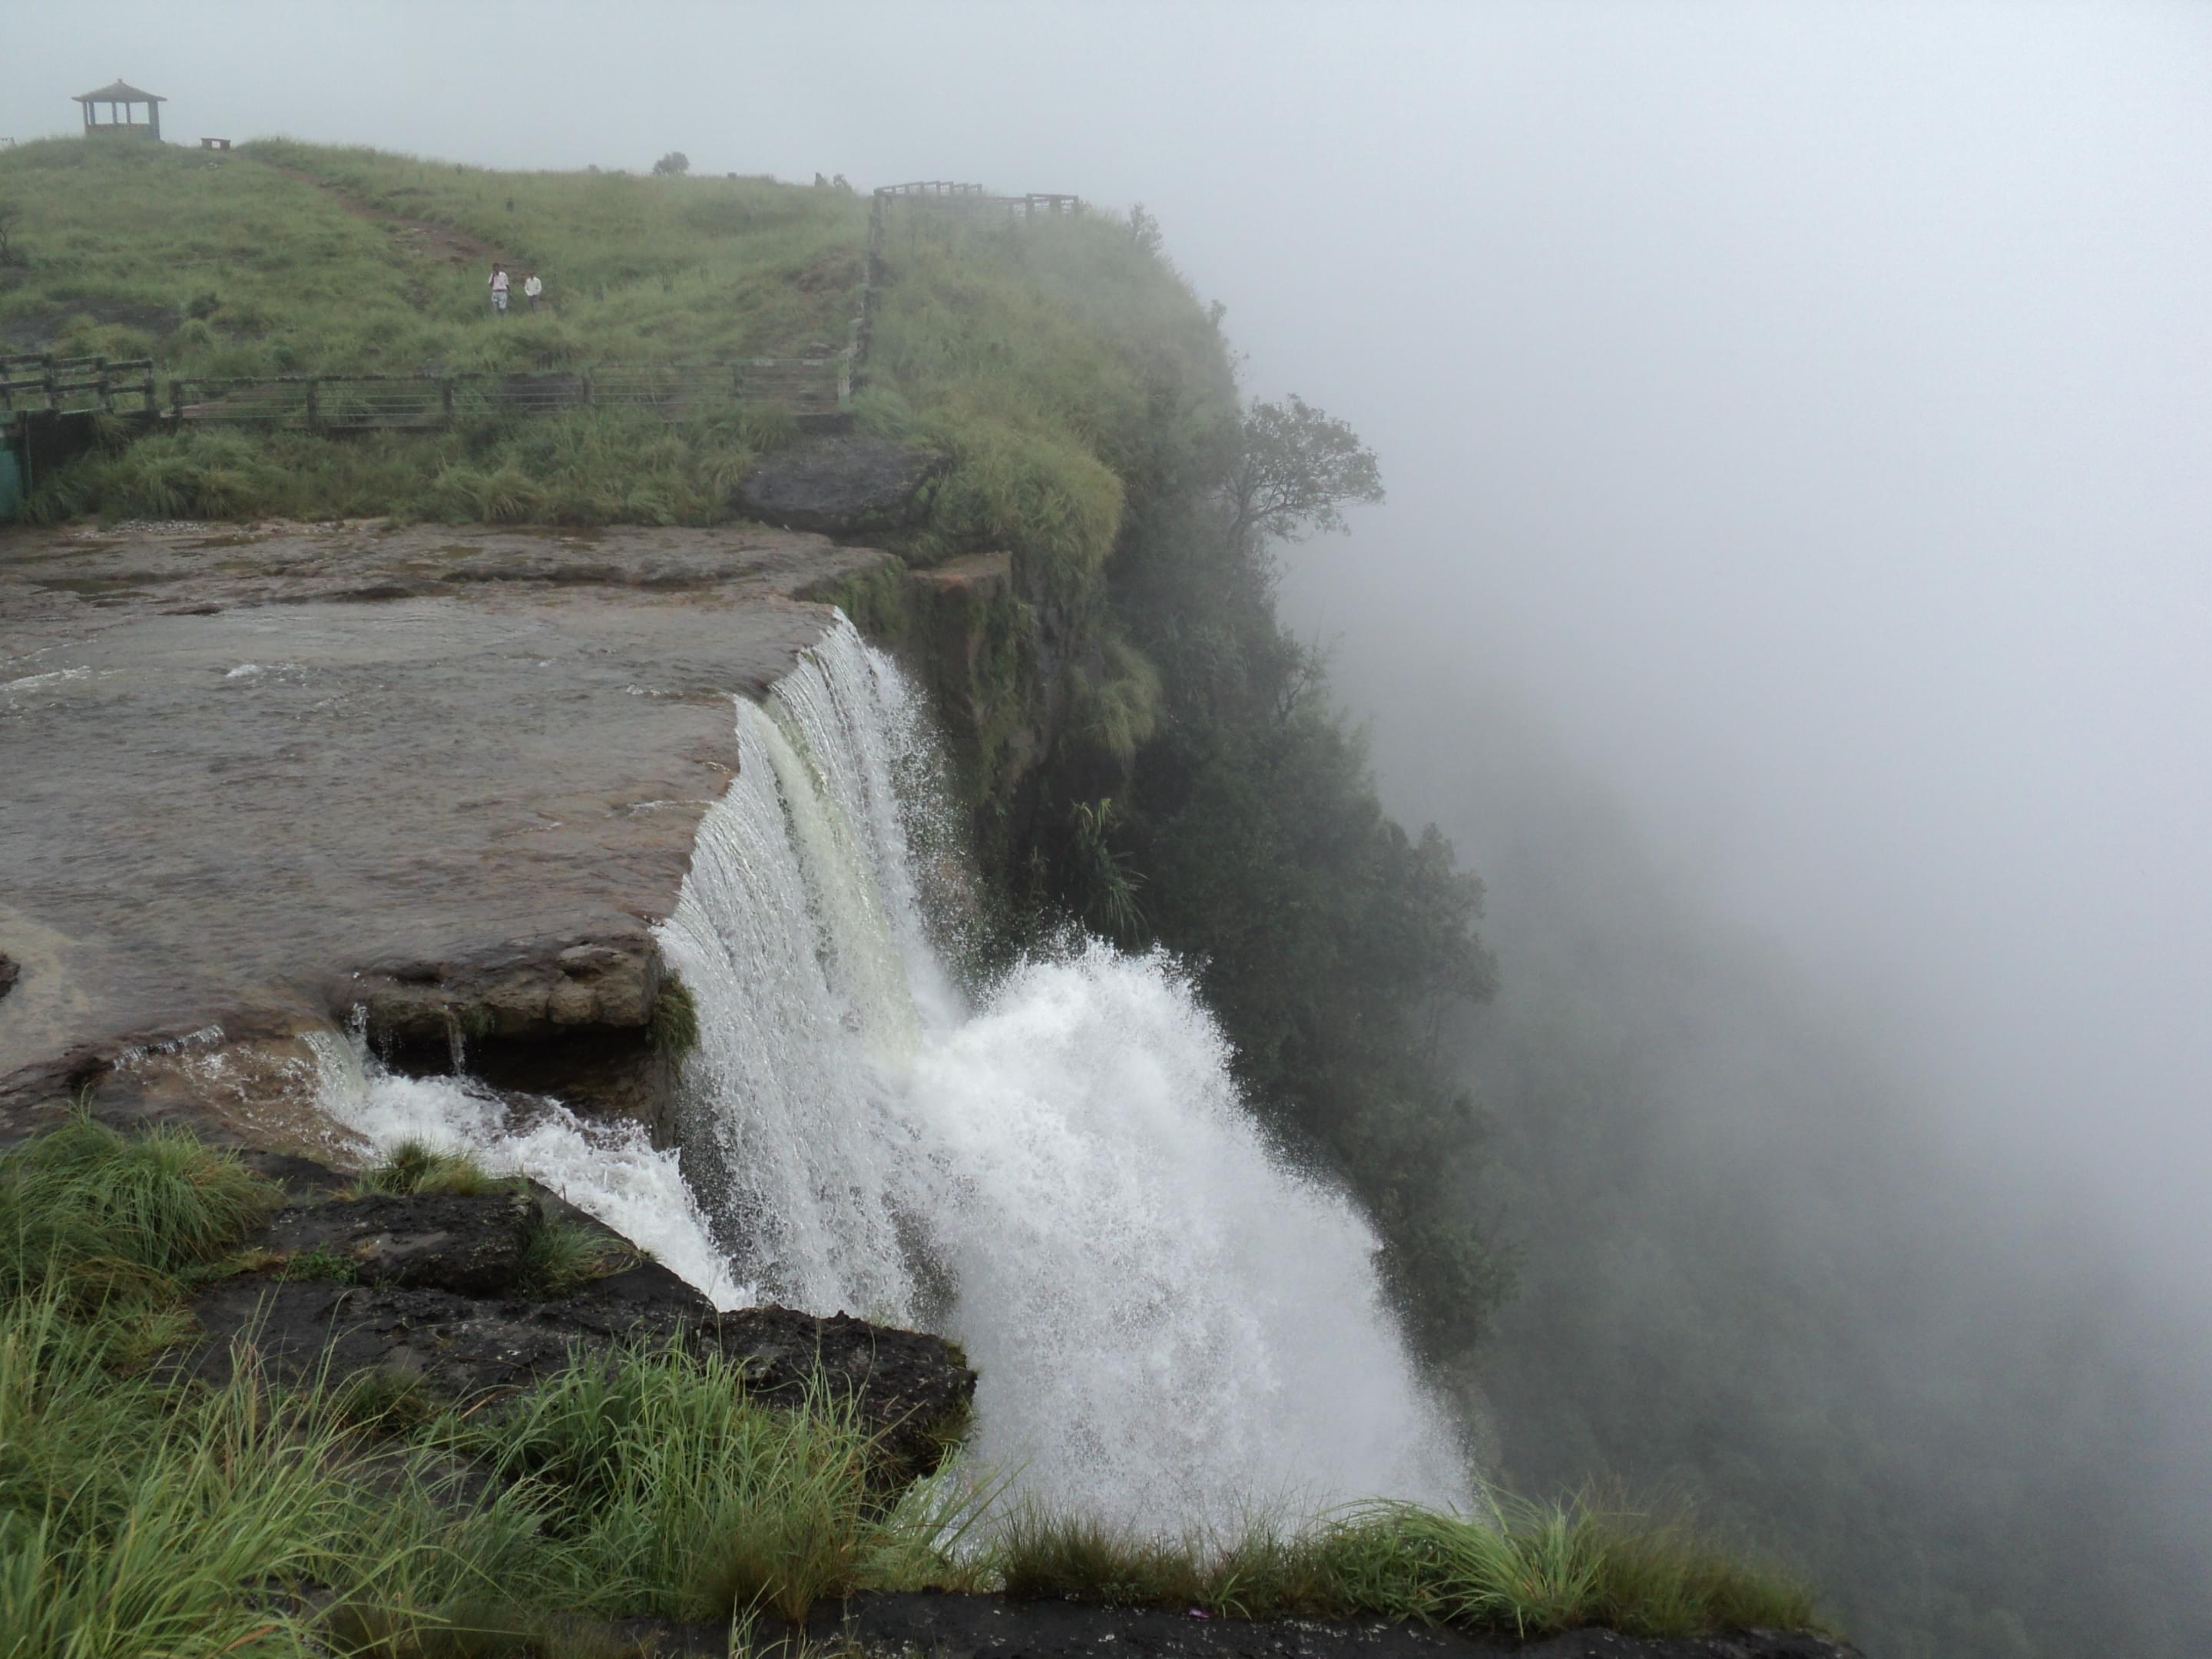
(260, 778)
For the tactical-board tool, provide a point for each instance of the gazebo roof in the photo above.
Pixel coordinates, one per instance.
(121, 92)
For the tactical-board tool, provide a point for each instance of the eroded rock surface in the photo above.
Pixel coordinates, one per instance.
(258, 777)
(430, 1287)
(469, 1244)
(842, 486)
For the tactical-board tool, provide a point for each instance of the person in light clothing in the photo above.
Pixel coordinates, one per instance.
(499, 290)
(531, 288)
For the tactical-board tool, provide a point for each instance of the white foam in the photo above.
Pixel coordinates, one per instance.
(610, 1170)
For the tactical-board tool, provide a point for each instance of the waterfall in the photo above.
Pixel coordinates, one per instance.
(1171, 1323)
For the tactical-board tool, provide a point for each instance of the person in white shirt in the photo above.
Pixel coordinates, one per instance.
(499, 290)
(531, 288)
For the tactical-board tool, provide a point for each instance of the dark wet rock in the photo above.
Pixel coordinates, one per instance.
(471, 1243)
(531, 988)
(842, 486)
(952, 1626)
(10, 971)
(913, 1388)
(947, 1626)
(566, 1016)
(303, 1179)
(415, 1257)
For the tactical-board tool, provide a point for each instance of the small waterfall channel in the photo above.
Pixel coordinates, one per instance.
(1171, 1324)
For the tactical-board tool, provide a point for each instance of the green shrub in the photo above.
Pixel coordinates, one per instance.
(1118, 708)
(1042, 496)
(1100, 875)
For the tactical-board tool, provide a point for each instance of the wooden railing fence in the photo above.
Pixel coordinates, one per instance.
(811, 388)
(816, 390)
(62, 386)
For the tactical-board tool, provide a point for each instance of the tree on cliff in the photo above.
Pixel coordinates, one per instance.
(1297, 468)
(673, 164)
(1334, 945)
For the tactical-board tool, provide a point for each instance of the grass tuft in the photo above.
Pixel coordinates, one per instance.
(323, 1265)
(415, 1166)
(675, 1017)
(1531, 1569)
(104, 1215)
(560, 1257)
(675, 1493)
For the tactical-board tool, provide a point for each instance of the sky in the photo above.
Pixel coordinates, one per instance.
(1801, 415)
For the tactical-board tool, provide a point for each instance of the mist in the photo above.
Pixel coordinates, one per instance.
(1792, 593)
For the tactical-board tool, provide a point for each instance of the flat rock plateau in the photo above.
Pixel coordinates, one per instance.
(257, 776)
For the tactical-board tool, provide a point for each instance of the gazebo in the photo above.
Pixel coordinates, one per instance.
(121, 95)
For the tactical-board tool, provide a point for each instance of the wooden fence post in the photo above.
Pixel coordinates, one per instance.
(177, 402)
(313, 382)
(101, 388)
(446, 397)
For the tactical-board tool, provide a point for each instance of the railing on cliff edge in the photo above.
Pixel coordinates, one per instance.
(815, 389)
(45, 384)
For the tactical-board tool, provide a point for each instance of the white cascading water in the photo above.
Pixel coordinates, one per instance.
(1171, 1325)
(610, 1169)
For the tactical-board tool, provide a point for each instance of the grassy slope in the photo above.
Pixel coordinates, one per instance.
(139, 1514)
(267, 272)
(1050, 360)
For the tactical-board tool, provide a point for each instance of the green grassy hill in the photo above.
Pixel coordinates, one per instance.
(291, 258)
(1042, 357)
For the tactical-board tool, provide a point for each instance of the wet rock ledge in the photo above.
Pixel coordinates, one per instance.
(440, 1291)
(260, 777)
(972, 1626)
